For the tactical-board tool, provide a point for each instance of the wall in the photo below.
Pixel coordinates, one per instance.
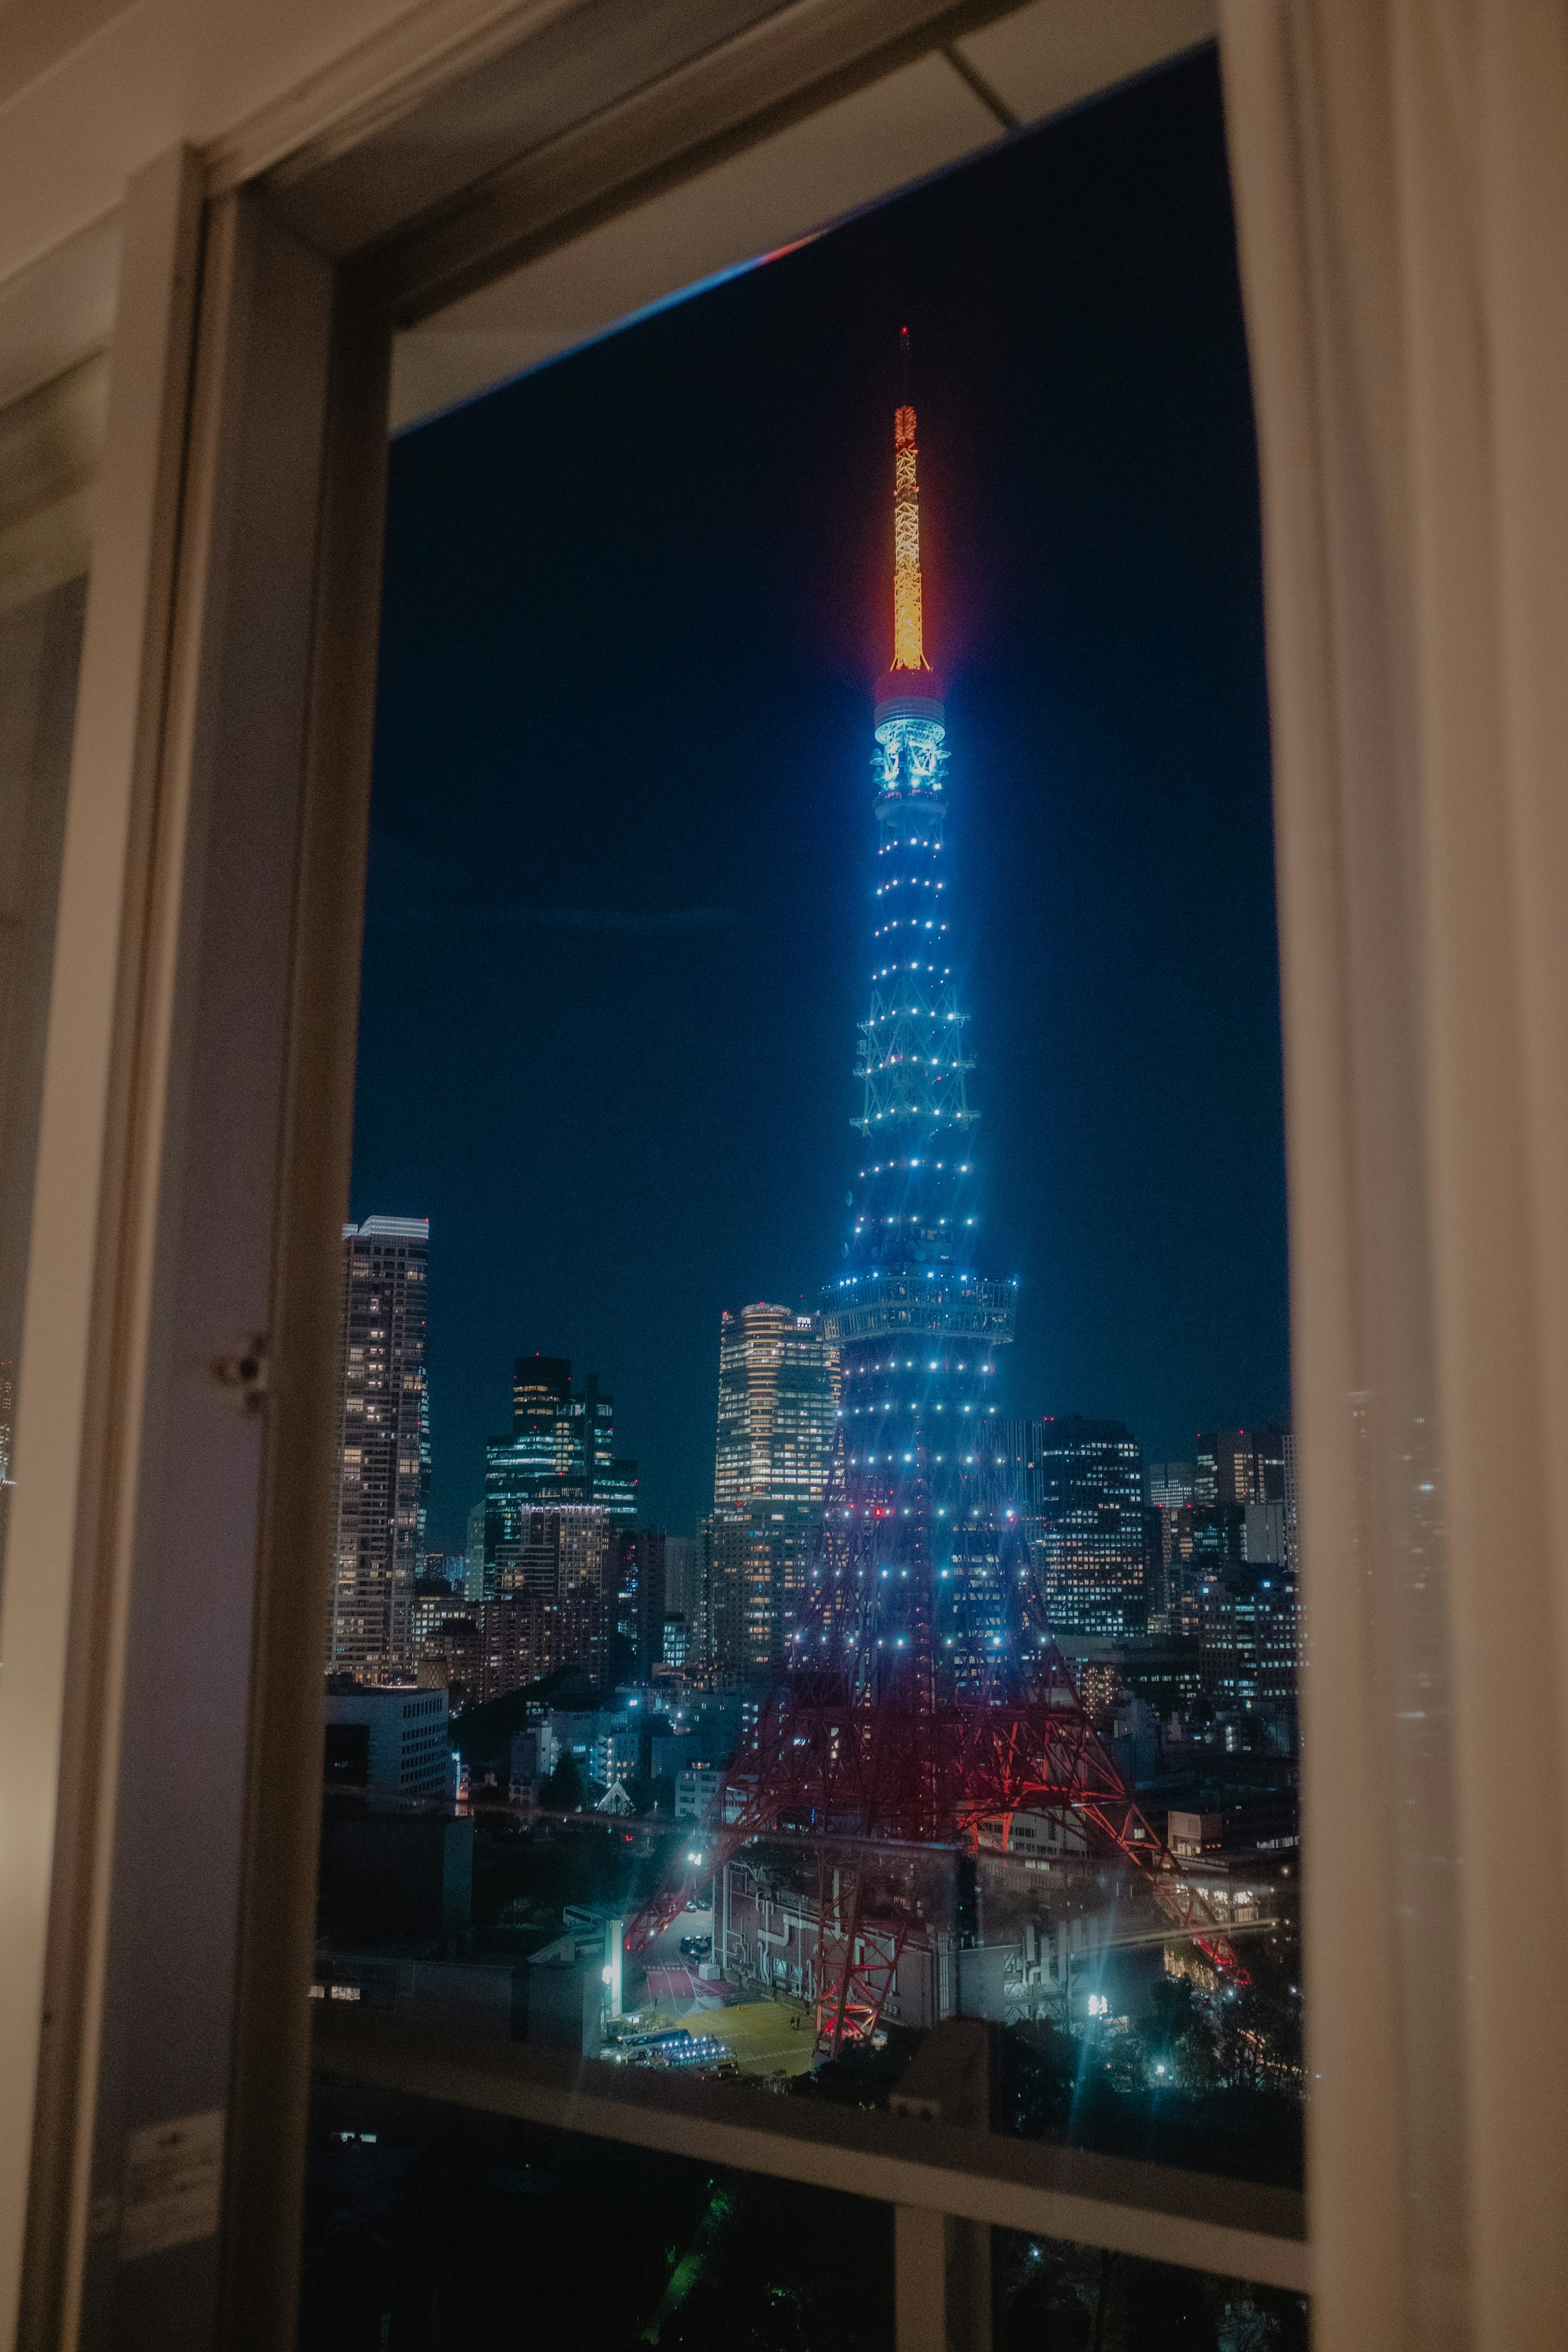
(89, 90)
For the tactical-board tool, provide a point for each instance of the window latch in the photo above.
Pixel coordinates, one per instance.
(246, 1376)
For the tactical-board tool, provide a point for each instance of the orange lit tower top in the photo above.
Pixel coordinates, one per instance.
(908, 630)
(910, 691)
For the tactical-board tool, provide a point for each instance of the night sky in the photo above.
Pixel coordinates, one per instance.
(619, 914)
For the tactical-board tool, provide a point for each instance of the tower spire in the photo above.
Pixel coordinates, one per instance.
(909, 628)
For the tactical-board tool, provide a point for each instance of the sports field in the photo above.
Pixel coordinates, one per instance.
(763, 2037)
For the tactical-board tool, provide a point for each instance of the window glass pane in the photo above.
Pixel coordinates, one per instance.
(427, 2225)
(1048, 2293)
(815, 1563)
(49, 443)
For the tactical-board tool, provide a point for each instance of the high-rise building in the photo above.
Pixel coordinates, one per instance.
(485, 1649)
(638, 1574)
(1242, 1465)
(673, 1640)
(560, 1451)
(1225, 1468)
(383, 1448)
(1249, 1634)
(1172, 1586)
(1171, 1485)
(1243, 1518)
(560, 1551)
(1091, 1545)
(532, 1460)
(702, 1642)
(473, 1556)
(682, 1577)
(434, 1603)
(916, 1311)
(606, 1478)
(776, 1429)
(1247, 1586)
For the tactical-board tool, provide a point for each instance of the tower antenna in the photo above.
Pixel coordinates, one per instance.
(908, 627)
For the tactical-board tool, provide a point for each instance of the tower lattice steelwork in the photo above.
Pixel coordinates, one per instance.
(924, 1697)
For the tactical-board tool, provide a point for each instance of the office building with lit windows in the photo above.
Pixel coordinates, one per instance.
(1234, 1466)
(637, 1580)
(382, 1447)
(1092, 1548)
(483, 1650)
(559, 1551)
(1172, 1580)
(561, 1451)
(777, 1408)
(390, 1742)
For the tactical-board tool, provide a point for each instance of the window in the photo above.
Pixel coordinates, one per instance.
(205, 1289)
(1044, 1973)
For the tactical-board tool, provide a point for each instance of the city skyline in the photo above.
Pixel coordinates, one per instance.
(602, 826)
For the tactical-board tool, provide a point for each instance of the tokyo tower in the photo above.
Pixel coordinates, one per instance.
(916, 1314)
(924, 1697)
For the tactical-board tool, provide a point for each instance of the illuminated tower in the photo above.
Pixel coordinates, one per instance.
(918, 1314)
(925, 1705)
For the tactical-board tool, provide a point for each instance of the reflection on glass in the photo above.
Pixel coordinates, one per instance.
(947, 1711)
(1048, 2292)
(49, 443)
(427, 2226)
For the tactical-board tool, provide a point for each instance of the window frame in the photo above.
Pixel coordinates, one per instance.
(242, 299)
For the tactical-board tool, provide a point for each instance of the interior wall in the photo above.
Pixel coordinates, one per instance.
(90, 91)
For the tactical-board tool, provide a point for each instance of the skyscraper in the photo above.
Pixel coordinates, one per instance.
(638, 1558)
(473, 1555)
(776, 1426)
(608, 1479)
(1093, 1550)
(383, 1448)
(682, 1577)
(561, 1450)
(916, 1311)
(530, 1464)
(1172, 1582)
(561, 1552)
(1226, 1468)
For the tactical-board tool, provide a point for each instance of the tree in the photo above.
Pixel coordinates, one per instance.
(563, 1791)
(1177, 2033)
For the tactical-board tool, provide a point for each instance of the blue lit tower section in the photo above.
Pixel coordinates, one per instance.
(916, 1312)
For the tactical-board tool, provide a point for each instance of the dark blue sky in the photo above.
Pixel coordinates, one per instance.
(622, 834)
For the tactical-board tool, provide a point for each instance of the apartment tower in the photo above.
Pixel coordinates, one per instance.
(383, 1448)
